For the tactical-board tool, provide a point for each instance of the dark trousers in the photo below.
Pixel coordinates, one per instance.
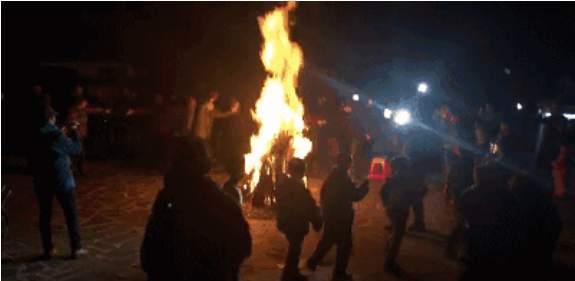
(455, 247)
(418, 213)
(398, 221)
(339, 234)
(67, 200)
(294, 251)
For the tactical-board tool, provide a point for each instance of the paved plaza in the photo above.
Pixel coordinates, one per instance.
(114, 203)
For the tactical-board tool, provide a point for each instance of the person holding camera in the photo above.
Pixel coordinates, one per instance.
(53, 177)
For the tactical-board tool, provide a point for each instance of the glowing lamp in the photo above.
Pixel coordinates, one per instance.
(422, 88)
(402, 117)
(387, 113)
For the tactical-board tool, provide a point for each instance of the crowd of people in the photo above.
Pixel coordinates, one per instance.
(506, 217)
(60, 126)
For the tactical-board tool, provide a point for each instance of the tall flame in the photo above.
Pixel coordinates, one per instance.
(279, 111)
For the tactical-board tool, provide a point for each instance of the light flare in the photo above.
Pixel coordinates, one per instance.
(279, 111)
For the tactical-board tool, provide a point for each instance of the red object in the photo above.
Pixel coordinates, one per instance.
(379, 169)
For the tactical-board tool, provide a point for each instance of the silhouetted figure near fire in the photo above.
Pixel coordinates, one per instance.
(398, 195)
(206, 115)
(296, 209)
(188, 232)
(490, 216)
(231, 187)
(264, 192)
(337, 196)
(420, 162)
(51, 167)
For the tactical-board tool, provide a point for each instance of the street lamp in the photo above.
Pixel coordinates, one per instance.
(519, 106)
(387, 113)
(355, 97)
(402, 117)
(422, 88)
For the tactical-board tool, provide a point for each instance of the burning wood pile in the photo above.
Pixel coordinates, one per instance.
(279, 111)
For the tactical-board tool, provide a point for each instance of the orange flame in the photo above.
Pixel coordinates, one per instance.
(279, 111)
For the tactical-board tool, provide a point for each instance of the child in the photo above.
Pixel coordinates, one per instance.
(295, 210)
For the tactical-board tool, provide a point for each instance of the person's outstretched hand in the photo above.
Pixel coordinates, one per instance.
(235, 107)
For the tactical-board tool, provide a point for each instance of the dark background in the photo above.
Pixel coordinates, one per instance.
(385, 49)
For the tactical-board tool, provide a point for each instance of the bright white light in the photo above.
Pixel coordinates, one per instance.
(387, 113)
(355, 97)
(422, 88)
(519, 106)
(547, 114)
(569, 116)
(402, 117)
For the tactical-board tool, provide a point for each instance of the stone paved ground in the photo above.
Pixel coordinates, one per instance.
(114, 204)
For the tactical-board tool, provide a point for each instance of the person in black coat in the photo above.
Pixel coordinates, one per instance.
(398, 195)
(337, 196)
(538, 230)
(51, 168)
(490, 216)
(296, 209)
(188, 232)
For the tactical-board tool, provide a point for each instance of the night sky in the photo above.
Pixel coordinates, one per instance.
(461, 49)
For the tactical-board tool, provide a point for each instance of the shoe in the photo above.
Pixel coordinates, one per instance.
(417, 228)
(342, 277)
(392, 268)
(312, 266)
(78, 253)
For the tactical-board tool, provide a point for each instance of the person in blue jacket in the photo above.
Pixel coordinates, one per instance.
(51, 168)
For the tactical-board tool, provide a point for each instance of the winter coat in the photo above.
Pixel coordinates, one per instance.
(50, 159)
(337, 196)
(195, 232)
(490, 216)
(399, 192)
(296, 208)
